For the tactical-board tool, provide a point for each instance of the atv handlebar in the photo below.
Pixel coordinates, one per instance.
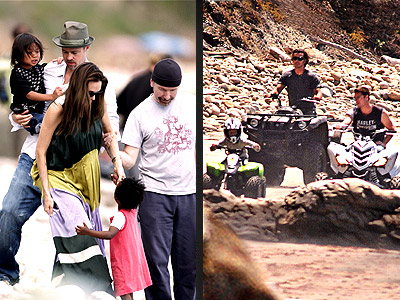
(372, 134)
(238, 151)
(297, 102)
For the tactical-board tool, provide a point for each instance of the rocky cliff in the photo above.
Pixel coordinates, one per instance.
(368, 27)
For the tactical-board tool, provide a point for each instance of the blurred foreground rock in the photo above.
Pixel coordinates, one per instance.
(228, 271)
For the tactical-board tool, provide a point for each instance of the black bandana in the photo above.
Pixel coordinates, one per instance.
(167, 73)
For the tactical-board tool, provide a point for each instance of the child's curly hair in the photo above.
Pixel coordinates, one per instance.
(129, 193)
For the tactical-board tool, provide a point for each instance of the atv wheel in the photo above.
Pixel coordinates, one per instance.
(254, 187)
(321, 176)
(315, 161)
(274, 174)
(234, 186)
(210, 182)
(394, 184)
(263, 187)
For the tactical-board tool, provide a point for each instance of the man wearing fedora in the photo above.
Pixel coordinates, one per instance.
(166, 142)
(22, 198)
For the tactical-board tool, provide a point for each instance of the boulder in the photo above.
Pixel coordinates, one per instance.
(390, 60)
(279, 54)
(340, 212)
(394, 95)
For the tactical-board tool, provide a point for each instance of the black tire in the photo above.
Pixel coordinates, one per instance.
(263, 187)
(210, 182)
(321, 176)
(233, 186)
(253, 187)
(274, 169)
(274, 174)
(314, 161)
(394, 184)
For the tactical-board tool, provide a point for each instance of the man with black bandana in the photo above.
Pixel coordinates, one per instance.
(300, 83)
(162, 128)
(367, 118)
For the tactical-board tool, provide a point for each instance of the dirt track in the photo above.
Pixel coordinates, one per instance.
(315, 272)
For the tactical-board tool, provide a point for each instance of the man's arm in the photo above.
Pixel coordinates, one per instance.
(19, 121)
(111, 101)
(388, 125)
(129, 156)
(317, 94)
(278, 89)
(345, 123)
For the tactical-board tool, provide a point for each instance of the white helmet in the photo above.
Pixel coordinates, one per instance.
(230, 125)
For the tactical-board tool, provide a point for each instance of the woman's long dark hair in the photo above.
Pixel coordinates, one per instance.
(79, 111)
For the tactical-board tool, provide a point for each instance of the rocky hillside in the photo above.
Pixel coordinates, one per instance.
(246, 46)
(368, 27)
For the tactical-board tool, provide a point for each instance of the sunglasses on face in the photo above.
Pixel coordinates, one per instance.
(298, 58)
(91, 93)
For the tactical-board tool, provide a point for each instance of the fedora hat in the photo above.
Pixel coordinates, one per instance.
(75, 35)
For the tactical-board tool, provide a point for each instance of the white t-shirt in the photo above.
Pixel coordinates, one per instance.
(166, 137)
(118, 220)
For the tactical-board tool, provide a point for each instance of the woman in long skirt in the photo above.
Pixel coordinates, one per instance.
(68, 173)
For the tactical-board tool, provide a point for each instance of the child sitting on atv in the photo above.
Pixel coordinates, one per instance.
(234, 141)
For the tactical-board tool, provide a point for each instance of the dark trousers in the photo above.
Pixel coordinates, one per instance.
(168, 226)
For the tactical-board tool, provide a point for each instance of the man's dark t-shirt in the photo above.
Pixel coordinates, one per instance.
(300, 86)
(133, 94)
(367, 124)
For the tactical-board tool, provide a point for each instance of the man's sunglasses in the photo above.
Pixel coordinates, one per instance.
(91, 93)
(298, 58)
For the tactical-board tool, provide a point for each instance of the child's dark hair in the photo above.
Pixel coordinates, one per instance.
(21, 45)
(129, 193)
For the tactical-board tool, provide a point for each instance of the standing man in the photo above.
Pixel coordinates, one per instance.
(367, 118)
(300, 83)
(162, 128)
(137, 89)
(22, 198)
(133, 94)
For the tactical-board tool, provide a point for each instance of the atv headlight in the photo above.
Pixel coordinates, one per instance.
(381, 162)
(302, 125)
(254, 122)
(341, 160)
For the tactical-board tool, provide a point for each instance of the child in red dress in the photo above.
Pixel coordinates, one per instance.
(128, 261)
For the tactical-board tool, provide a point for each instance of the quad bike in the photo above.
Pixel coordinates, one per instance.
(289, 138)
(364, 159)
(236, 175)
